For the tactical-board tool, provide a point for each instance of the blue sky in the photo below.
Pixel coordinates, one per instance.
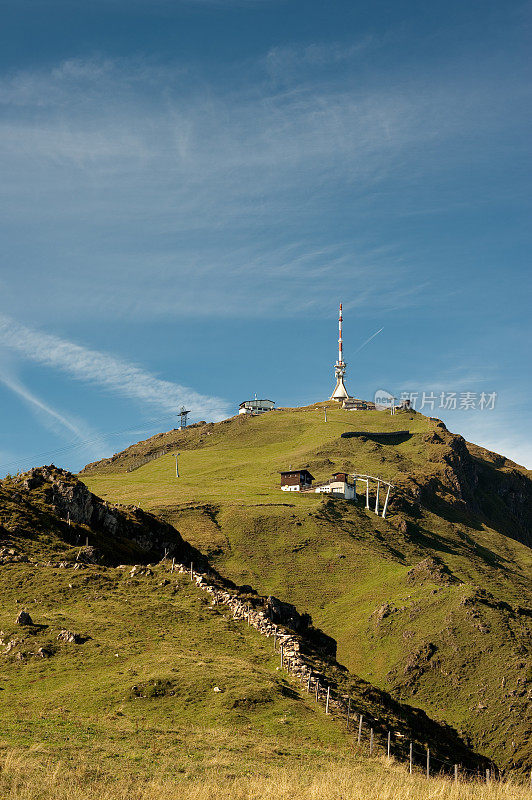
(190, 188)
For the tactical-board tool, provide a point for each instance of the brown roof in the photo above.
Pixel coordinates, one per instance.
(297, 472)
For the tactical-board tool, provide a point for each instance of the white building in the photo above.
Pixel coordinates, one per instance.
(354, 404)
(339, 486)
(255, 407)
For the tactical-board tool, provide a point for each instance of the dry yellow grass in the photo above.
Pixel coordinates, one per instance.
(27, 777)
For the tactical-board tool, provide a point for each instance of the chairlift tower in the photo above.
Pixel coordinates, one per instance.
(183, 414)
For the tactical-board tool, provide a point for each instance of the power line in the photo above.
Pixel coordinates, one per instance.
(84, 443)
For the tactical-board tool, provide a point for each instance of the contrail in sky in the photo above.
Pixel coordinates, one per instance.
(82, 432)
(368, 340)
(114, 374)
(17, 387)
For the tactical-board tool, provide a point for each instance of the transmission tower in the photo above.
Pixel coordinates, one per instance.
(183, 414)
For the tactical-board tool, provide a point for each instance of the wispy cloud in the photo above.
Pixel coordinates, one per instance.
(100, 369)
(184, 180)
(282, 62)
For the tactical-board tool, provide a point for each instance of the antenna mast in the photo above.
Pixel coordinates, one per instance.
(340, 392)
(340, 341)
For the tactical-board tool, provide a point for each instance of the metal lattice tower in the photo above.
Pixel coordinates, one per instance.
(183, 414)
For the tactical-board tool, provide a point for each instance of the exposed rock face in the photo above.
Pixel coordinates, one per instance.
(24, 619)
(430, 569)
(72, 500)
(384, 611)
(33, 479)
(286, 614)
(453, 470)
(483, 483)
(419, 661)
(138, 570)
(70, 637)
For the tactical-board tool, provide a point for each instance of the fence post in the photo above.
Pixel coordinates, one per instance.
(371, 742)
(348, 712)
(428, 762)
(327, 701)
(191, 570)
(389, 743)
(456, 773)
(410, 760)
(173, 564)
(317, 689)
(249, 623)
(360, 728)
(282, 655)
(308, 682)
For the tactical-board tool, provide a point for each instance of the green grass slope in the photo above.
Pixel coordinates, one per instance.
(452, 635)
(142, 687)
(130, 665)
(136, 694)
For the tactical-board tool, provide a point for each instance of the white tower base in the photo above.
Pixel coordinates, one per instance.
(340, 392)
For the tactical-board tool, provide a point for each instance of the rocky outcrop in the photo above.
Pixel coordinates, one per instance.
(69, 637)
(287, 614)
(269, 615)
(430, 569)
(452, 472)
(8, 555)
(385, 610)
(24, 619)
(471, 479)
(72, 501)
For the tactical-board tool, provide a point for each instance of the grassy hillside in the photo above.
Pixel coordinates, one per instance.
(126, 682)
(450, 634)
(142, 686)
(28, 777)
(138, 661)
(158, 679)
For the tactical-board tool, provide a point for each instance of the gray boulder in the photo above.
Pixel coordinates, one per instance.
(70, 637)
